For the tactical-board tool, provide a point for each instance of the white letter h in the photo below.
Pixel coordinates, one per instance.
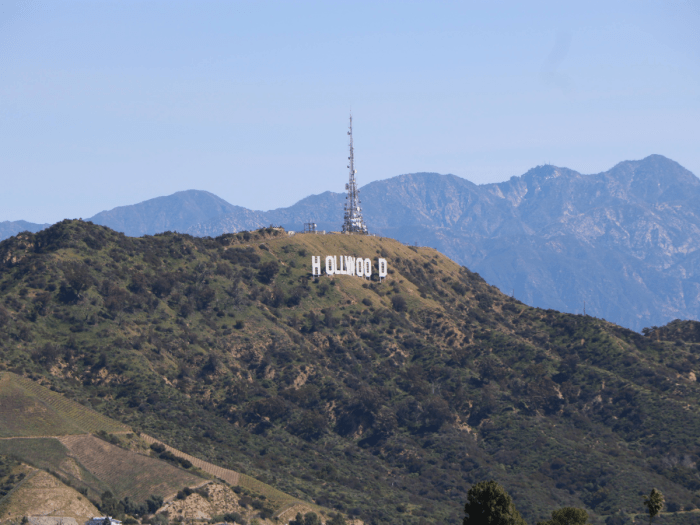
(315, 265)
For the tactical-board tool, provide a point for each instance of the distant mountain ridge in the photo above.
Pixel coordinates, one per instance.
(176, 212)
(624, 242)
(11, 228)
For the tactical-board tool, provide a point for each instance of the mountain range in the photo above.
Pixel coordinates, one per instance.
(623, 244)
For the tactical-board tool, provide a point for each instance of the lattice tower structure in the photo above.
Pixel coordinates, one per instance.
(353, 222)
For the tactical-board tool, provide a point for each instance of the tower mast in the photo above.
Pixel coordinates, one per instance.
(353, 222)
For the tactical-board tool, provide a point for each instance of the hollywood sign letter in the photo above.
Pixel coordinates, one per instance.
(347, 265)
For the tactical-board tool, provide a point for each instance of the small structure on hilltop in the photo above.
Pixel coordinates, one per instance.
(353, 222)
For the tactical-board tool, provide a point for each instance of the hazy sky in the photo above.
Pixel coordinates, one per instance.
(106, 103)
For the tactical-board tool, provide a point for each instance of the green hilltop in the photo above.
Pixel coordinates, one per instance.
(384, 401)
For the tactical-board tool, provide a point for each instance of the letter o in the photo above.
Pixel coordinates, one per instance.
(330, 265)
(359, 266)
(368, 268)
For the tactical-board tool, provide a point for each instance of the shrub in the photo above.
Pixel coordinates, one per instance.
(154, 503)
(234, 517)
(310, 426)
(399, 303)
(162, 286)
(78, 276)
(158, 448)
(267, 272)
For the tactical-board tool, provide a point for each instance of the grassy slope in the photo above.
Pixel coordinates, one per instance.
(51, 455)
(128, 474)
(384, 413)
(41, 494)
(27, 409)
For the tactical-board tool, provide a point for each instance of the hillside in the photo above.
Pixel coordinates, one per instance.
(29, 410)
(41, 494)
(44, 429)
(381, 400)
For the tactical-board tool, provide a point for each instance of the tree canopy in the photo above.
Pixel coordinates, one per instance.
(654, 503)
(489, 504)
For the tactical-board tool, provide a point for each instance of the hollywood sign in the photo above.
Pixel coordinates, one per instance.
(346, 265)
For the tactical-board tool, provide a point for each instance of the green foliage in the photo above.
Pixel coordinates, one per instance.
(654, 503)
(489, 504)
(310, 518)
(77, 280)
(567, 516)
(267, 272)
(337, 519)
(8, 477)
(154, 503)
(231, 517)
(399, 303)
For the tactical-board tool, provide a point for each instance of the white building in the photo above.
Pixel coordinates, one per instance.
(100, 520)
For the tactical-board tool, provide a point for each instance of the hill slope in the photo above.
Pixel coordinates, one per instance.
(383, 400)
(41, 494)
(48, 431)
(28, 410)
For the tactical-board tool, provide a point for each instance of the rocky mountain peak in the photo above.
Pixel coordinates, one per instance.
(653, 179)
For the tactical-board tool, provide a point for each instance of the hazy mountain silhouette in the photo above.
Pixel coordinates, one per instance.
(10, 228)
(176, 212)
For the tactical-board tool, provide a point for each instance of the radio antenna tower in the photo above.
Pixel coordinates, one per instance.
(353, 222)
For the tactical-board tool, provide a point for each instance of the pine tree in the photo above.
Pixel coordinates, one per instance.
(654, 503)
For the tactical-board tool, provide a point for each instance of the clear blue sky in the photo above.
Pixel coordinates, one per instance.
(111, 103)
